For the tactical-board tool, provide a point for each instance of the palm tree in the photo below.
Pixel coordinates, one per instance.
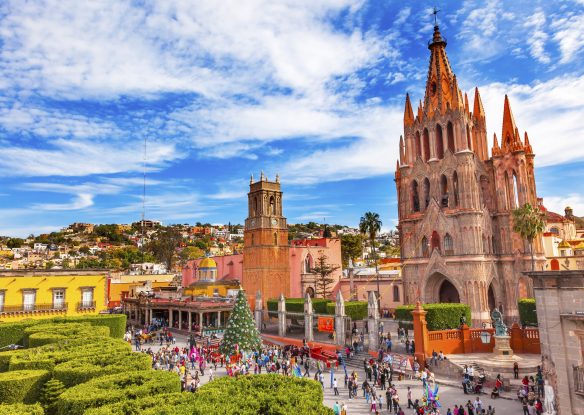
(528, 222)
(370, 225)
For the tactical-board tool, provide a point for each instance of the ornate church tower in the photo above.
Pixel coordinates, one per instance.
(453, 199)
(266, 260)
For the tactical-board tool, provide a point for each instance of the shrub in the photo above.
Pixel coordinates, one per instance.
(441, 316)
(49, 333)
(21, 409)
(296, 305)
(114, 388)
(357, 310)
(42, 338)
(246, 395)
(12, 333)
(22, 386)
(319, 305)
(51, 392)
(76, 371)
(527, 311)
(115, 322)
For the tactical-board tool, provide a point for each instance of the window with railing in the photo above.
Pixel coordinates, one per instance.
(58, 298)
(28, 300)
(579, 379)
(86, 298)
(1, 301)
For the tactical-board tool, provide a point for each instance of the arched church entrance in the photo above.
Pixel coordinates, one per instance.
(491, 298)
(448, 293)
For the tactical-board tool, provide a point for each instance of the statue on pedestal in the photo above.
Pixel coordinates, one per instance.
(500, 327)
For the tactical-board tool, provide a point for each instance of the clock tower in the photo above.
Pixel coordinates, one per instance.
(266, 252)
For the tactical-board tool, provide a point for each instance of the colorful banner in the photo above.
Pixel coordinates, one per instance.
(326, 324)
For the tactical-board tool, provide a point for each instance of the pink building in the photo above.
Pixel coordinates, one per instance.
(303, 256)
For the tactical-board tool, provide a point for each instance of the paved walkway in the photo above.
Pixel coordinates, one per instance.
(450, 393)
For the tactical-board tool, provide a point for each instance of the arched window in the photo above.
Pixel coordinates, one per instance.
(468, 139)
(425, 247)
(485, 193)
(515, 191)
(448, 245)
(418, 145)
(554, 230)
(426, 139)
(426, 193)
(395, 294)
(485, 245)
(275, 238)
(450, 136)
(415, 197)
(439, 142)
(252, 239)
(307, 264)
(555, 265)
(444, 191)
(255, 206)
(493, 245)
(435, 241)
(455, 188)
(508, 192)
(272, 206)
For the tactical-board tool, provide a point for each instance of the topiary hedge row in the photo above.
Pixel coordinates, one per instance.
(21, 409)
(81, 370)
(441, 316)
(22, 386)
(357, 310)
(245, 395)
(13, 333)
(527, 311)
(115, 388)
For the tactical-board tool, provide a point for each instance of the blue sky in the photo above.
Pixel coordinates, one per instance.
(312, 90)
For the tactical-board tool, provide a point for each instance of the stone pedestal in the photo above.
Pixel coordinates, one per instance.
(340, 320)
(258, 311)
(503, 350)
(308, 318)
(373, 322)
(281, 316)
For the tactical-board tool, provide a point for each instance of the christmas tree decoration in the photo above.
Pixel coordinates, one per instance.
(241, 334)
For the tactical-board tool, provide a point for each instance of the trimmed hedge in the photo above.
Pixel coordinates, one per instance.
(22, 386)
(114, 388)
(13, 333)
(60, 332)
(81, 370)
(441, 316)
(296, 305)
(115, 322)
(244, 395)
(357, 310)
(21, 409)
(527, 311)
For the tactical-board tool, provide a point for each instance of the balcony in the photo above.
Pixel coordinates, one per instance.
(32, 308)
(579, 380)
(86, 305)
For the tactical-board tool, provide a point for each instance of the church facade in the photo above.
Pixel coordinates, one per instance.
(455, 201)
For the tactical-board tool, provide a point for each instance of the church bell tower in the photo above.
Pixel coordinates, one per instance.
(266, 252)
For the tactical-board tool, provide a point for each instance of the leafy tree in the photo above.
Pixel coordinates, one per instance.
(49, 264)
(66, 263)
(50, 395)
(164, 245)
(370, 225)
(84, 250)
(190, 252)
(14, 243)
(241, 330)
(324, 279)
(327, 232)
(528, 221)
(351, 247)
(89, 263)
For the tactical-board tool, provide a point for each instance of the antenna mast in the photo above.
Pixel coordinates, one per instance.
(143, 201)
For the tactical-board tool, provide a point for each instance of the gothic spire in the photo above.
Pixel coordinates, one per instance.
(527, 145)
(478, 111)
(456, 96)
(508, 134)
(439, 82)
(408, 112)
(466, 107)
(496, 150)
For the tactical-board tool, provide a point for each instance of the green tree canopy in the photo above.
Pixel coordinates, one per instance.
(528, 221)
(351, 247)
(324, 279)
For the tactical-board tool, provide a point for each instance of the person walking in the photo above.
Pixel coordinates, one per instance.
(336, 387)
(410, 403)
(516, 370)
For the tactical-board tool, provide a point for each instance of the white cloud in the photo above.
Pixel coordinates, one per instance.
(537, 36)
(81, 201)
(559, 203)
(569, 35)
(74, 158)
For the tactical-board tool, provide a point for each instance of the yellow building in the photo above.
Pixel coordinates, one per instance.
(51, 293)
(207, 284)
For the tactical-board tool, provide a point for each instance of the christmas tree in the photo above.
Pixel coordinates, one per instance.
(241, 333)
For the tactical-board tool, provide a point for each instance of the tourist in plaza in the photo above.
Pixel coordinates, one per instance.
(516, 370)
(336, 387)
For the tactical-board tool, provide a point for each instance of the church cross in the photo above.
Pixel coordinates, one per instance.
(435, 13)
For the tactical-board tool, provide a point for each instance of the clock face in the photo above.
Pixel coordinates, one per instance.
(274, 222)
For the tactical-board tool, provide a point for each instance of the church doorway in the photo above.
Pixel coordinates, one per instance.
(448, 293)
(491, 298)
